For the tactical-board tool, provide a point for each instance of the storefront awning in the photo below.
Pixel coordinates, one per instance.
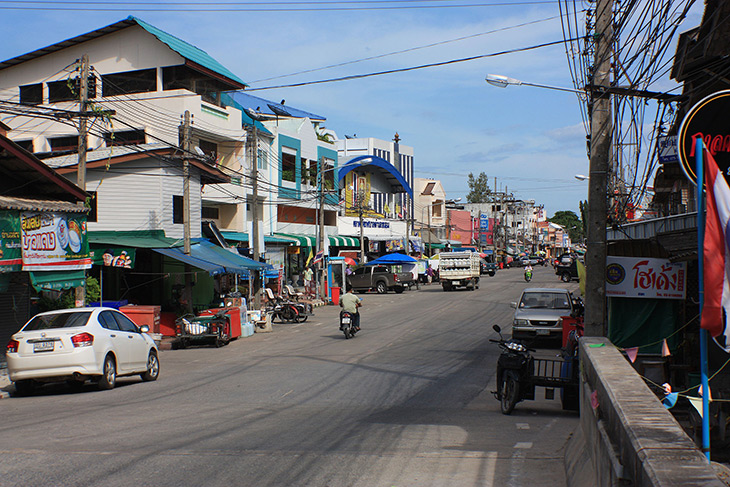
(300, 240)
(177, 254)
(243, 237)
(343, 241)
(232, 261)
(141, 239)
(57, 280)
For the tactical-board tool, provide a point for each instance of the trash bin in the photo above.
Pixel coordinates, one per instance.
(335, 295)
(143, 315)
(568, 325)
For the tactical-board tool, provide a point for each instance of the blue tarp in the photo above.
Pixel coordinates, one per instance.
(204, 255)
(177, 254)
(393, 259)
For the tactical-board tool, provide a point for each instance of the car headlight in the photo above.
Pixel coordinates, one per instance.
(518, 322)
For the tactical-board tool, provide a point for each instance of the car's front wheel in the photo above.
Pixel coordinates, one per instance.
(153, 368)
(565, 277)
(109, 376)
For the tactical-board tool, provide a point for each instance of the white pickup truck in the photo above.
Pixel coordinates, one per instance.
(459, 269)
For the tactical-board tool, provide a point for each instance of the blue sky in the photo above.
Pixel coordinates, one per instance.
(531, 139)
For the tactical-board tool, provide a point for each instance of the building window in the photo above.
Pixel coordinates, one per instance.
(141, 81)
(210, 212)
(91, 201)
(177, 209)
(305, 171)
(210, 149)
(263, 159)
(183, 77)
(70, 143)
(31, 94)
(288, 167)
(25, 144)
(68, 90)
(329, 173)
(126, 137)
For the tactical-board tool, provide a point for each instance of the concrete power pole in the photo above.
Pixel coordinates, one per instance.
(255, 230)
(80, 292)
(186, 145)
(320, 176)
(601, 129)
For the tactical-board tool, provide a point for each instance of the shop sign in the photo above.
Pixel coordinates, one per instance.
(707, 120)
(54, 241)
(643, 277)
(394, 245)
(114, 257)
(10, 245)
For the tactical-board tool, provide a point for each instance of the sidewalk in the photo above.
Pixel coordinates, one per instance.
(4, 380)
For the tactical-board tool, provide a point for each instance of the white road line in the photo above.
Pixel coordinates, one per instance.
(524, 445)
(522, 426)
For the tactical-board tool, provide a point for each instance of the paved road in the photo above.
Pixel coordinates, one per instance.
(405, 403)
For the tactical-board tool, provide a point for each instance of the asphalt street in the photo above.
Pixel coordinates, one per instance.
(407, 402)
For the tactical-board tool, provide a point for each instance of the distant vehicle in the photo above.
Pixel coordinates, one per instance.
(538, 312)
(537, 260)
(487, 267)
(520, 262)
(76, 345)
(380, 278)
(459, 269)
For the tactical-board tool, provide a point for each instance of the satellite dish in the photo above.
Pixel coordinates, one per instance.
(279, 110)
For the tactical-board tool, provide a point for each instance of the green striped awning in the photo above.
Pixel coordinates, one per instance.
(300, 240)
(343, 241)
(243, 237)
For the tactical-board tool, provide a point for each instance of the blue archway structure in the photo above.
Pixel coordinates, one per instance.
(380, 166)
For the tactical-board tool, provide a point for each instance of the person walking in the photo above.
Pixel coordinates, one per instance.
(308, 274)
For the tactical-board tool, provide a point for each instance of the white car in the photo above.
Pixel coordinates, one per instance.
(80, 344)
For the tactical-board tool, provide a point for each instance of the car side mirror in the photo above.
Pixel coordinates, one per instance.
(497, 329)
(144, 329)
(513, 305)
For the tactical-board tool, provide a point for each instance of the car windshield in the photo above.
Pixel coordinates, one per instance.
(58, 320)
(544, 300)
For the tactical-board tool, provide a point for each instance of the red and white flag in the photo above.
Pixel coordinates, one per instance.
(716, 255)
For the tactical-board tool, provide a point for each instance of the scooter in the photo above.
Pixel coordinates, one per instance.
(528, 275)
(347, 324)
(515, 368)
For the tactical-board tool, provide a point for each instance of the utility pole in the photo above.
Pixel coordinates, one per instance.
(80, 292)
(186, 142)
(253, 144)
(601, 129)
(320, 177)
(360, 210)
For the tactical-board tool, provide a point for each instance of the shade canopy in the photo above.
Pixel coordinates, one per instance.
(393, 259)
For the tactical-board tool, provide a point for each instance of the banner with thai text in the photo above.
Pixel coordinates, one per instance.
(54, 241)
(644, 277)
(10, 253)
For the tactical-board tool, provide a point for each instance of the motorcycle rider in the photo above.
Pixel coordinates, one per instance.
(528, 272)
(350, 303)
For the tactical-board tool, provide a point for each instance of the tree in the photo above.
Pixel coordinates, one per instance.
(478, 189)
(570, 221)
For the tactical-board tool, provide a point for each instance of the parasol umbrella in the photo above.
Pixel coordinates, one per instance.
(350, 261)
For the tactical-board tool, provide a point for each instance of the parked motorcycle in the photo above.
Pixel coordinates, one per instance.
(286, 310)
(528, 275)
(518, 373)
(347, 324)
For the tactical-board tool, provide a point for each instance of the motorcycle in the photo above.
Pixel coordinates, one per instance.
(518, 373)
(286, 310)
(528, 275)
(347, 324)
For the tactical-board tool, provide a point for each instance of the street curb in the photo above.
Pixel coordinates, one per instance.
(4, 380)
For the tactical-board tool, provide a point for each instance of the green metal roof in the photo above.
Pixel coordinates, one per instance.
(186, 50)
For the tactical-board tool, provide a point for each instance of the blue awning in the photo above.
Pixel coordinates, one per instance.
(231, 260)
(177, 254)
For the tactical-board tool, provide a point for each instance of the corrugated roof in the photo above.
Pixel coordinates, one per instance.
(269, 107)
(103, 153)
(185, 49)
(29, 204)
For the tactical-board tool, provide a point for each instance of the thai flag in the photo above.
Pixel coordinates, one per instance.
(716, 255)
(318, 257)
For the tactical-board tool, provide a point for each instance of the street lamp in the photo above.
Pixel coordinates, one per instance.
(581, 177)
(503, 81)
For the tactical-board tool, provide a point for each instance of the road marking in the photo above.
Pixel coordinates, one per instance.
(286, 394)
(522, 426)
(525, 445)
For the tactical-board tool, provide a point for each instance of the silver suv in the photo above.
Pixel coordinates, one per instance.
(538, 312)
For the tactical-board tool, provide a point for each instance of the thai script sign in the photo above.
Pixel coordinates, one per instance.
(707, 120)
(644, 277)
(10, 254)
(370, 224)
(54, 241)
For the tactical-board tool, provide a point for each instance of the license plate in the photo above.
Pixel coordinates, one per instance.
(455, 283)
(43, 346)
(543, 332)
(345, 321)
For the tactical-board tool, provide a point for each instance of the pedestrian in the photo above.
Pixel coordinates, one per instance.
(351, 303)
(429, 274)
(308, 274)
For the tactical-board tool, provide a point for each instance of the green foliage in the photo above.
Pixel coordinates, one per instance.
(478, 188)
(325, 138)
(570, 221)
(93, 290)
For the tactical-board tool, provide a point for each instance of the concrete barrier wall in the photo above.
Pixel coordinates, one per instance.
(628, 438)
